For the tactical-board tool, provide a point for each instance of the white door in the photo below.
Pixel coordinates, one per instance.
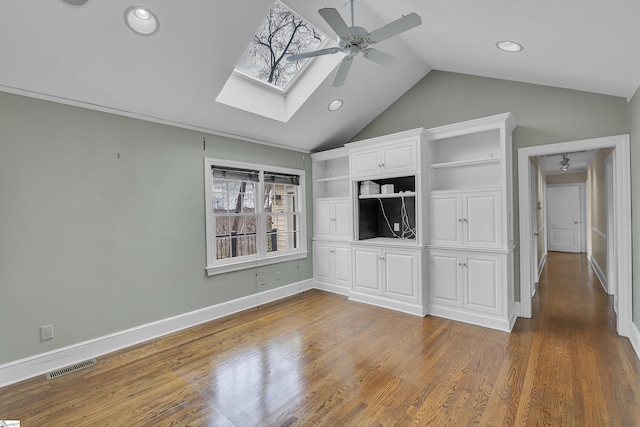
(482, 292)
(564, 222)
(365, 164)
(323, 219)
(366, 271)
(446, 219)
(481, 219)
(445, 282)
(342, 262)
(322, 260)
(400, 158)
(342, 215)
(400, 270)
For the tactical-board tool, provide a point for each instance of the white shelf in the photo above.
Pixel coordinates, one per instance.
(388, 196)
(466, 163)
(334, 178)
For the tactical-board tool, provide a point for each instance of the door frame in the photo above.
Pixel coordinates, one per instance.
(582, 229)
(622, 211)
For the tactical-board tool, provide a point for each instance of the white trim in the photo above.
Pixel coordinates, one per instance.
(380, 301)
(465, 316)
(40, 364)
(330, 287)
(598, 232)
(242, 265)
(634, 337)
(622, 203)
(596, 269)
(543, 261)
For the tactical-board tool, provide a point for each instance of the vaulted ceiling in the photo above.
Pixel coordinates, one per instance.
(87, 56)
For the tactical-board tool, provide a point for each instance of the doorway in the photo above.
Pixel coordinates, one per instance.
(620, 216)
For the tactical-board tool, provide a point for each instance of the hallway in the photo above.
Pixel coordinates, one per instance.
(577, 359)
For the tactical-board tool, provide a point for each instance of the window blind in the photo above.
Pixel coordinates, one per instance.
(281, 178)
(235, 173)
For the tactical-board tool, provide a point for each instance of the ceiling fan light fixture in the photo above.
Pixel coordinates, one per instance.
(335, 105)
(76, 3)
(141, 20)
(509, 46)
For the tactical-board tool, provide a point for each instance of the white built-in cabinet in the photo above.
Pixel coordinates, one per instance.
(388, 276)
(439, 239)
(394, 159)
(470, 250)
(389, 229)
(332, 224)
(466, 219)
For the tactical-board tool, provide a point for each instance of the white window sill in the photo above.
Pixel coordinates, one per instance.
(243, 265)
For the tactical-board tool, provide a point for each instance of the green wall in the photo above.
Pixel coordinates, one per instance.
(94, 243)
(634, 130)
(544, 115)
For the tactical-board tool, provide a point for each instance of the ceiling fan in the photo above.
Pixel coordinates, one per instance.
(355, 40)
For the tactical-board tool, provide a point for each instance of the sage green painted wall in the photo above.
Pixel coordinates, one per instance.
(95, 244)
(634, 130)
(544, 114)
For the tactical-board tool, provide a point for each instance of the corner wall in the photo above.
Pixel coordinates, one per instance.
(634, 130)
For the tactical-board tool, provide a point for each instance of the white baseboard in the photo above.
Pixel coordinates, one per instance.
(404, 307)
(40, 364)
(596, 268)
(477, 319)
(336, 289)
(543, 261)
(634, 337)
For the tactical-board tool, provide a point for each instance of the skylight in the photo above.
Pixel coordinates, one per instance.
(281, 34)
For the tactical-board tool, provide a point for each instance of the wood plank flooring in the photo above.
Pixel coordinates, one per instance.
(317, 359)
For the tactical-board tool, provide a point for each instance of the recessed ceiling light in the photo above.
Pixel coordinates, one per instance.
(509, 46)
(141, 20)
(335, 105)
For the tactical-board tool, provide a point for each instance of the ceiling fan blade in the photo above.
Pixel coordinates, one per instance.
(336, 22)
(343, 70)
(311, 54)
(396, 27)
(384, 59)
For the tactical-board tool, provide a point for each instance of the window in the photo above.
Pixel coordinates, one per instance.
(281, 34)
(254, 215)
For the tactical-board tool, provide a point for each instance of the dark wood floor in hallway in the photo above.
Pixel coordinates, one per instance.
(317, 359)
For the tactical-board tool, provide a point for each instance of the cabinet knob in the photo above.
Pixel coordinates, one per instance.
(332, 219)
(536, 234)
(464, 220)
(459, 219)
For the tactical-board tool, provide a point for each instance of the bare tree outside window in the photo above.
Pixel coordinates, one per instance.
(282, 33)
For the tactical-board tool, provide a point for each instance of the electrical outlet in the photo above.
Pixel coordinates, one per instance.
(278, 276)
(263, 280)
(396, 226)
(46, 332)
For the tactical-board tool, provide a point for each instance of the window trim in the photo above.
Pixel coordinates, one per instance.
(214, 266)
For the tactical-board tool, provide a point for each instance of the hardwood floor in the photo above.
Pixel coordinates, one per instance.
(317, 359)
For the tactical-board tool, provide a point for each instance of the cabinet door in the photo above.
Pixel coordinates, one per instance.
(365, 164)
(399, 158)
(324, 219)
(483, 283)
(342, 263)
(401, 274)
(366, 271)
(342, 222)
(322, 262)
(445, 280)
(482, 220)
(446, 220)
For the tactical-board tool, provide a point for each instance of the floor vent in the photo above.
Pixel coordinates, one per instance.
(72, 368)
